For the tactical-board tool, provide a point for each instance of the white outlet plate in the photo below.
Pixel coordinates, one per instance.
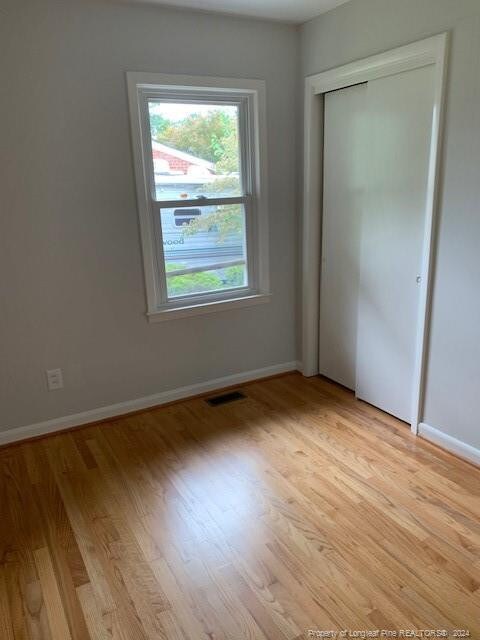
(54, 379)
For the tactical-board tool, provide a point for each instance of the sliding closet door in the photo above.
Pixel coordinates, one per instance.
(399, 112)
(343, 186)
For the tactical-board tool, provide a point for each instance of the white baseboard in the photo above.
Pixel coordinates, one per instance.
(110, 411)
(453, 445)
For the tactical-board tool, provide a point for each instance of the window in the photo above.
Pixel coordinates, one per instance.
(199, 149)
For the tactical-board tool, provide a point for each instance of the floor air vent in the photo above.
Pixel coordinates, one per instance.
(224, 398)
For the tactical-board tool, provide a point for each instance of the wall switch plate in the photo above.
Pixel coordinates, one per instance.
(54, 379)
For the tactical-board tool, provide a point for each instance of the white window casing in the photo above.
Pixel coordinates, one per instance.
(249, 97)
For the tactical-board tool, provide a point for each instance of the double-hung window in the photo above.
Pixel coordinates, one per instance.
(199, 150)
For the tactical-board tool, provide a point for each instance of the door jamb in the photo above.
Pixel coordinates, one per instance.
(431, 51)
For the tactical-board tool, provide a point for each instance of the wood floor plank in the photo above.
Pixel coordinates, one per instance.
(69, 567)
(99, 623)
(296, 508)
(6, 628)
(35, 612)
(14, 581)
(56, 614)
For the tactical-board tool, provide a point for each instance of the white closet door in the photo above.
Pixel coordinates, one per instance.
(343, 186)
(399, 111)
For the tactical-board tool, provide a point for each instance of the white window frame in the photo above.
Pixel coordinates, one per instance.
(250, 96)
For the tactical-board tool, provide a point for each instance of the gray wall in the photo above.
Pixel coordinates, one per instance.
(71, 280)
(364, 27)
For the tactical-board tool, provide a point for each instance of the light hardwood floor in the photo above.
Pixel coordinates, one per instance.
(298, 508)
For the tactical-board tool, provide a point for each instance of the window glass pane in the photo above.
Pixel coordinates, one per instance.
(204, 249)
(195, 150)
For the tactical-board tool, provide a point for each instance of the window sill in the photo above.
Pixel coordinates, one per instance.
(161, 315)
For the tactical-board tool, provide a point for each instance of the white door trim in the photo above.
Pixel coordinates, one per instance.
(431, 51)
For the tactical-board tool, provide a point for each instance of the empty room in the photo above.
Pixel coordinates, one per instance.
(239, 319)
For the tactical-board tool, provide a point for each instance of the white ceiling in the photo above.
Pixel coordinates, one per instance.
(295, 11)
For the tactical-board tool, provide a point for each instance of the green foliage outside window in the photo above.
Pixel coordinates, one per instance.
(204, 280)
(158, 124)
(212, 136)
(227, 220)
